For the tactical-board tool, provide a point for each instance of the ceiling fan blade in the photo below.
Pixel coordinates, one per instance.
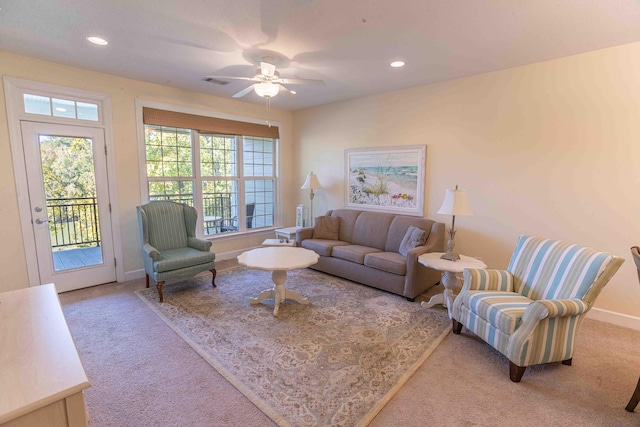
(232, 77)
(301, 81)
(243, 92)
(267, 69)
(286, 89)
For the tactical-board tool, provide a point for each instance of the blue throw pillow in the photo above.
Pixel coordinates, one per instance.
(412, 238)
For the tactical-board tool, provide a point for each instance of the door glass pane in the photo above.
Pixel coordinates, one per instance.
(63, 108)
(35, 104)
(87, 111)
(71, 203)
(68, 108)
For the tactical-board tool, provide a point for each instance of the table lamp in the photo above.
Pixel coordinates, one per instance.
(455, 203)
(311, 183)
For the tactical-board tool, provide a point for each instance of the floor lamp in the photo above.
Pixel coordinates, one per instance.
(311, 183)
(455, 203)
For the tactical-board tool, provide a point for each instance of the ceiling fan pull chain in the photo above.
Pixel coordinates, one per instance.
(268, 111)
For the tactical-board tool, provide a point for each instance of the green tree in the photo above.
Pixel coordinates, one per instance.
(68, 175)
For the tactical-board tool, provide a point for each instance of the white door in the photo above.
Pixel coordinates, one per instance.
(69, 199)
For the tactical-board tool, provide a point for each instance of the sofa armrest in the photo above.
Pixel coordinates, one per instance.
(412, 260)
(413, 276)
(435, 241)
(303, 233)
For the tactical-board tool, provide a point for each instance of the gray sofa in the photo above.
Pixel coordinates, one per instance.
(367, 251)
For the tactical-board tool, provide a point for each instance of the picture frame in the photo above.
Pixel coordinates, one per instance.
(386, 179)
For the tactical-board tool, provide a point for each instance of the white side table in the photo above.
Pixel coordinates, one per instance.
(286, 233)
(278, 242)
(450, 270)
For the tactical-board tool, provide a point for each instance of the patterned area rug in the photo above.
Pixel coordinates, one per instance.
(334, 362)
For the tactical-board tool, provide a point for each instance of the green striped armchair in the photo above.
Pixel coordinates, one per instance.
(532, 311)
(170, 249)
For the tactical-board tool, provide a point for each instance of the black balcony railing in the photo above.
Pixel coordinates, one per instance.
(73, 222)
(217, 209)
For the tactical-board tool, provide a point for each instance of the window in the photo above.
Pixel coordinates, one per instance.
(229, 178)
(67, 108)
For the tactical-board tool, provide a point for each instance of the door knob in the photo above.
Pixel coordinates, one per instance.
(41, 221)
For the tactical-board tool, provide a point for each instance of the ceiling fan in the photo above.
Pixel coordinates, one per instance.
(268, 81)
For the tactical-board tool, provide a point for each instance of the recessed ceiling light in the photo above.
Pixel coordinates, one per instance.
(397, 64)
(97, 40)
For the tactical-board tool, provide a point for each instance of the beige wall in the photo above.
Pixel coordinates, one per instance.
(123, 92)
(550, 149)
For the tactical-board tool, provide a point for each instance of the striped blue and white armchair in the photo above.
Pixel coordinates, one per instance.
(170, 249)
(532, 311)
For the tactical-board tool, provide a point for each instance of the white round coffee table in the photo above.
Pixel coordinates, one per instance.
(450, 271)
(278, 259)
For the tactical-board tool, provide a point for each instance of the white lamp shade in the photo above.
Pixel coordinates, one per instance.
(455, 203)
(311, 183)
(266, 89)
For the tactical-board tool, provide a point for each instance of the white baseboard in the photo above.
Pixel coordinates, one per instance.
(133, 275)
(618, 319)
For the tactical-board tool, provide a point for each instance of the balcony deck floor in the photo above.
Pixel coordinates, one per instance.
(77, 258)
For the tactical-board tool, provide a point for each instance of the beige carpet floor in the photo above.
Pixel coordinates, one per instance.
(143, 374)
(335, 361)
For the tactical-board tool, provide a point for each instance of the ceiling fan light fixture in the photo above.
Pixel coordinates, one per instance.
(266, 89)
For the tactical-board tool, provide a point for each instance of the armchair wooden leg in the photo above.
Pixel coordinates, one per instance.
(567, 362)
(213, 279)
(159, 286)
(147, 279)
(634, 399)
(457, 326)
(516, 372)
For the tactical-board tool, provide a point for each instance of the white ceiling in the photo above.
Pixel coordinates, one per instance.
(347, 43)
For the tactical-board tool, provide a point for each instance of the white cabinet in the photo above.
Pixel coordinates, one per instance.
(41, 375)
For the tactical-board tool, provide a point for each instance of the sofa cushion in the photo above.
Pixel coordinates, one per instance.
(347, 222)
(322, 247)
(503, 309)
(392, 262)
(173, 259)
(371, 229)
(326, 227)
(414, 237)
(353, 253)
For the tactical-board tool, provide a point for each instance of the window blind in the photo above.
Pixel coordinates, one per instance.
(203, 124)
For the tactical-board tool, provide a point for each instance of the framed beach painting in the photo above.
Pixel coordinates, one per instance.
(387, 179)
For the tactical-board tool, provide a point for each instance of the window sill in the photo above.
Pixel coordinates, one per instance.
(241, 234)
